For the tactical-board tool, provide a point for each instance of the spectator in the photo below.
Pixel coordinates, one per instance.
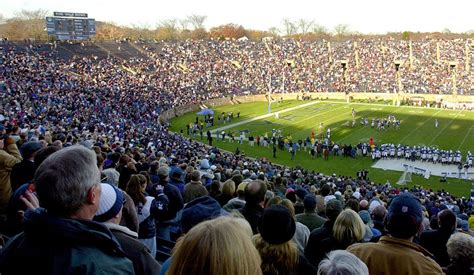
(196, 211)
(310, 218)
(24, 171)
(220, 246)
(109, 213)
(194, 189)
(371, 233)
(435, 240)
(228, 191)
(169, 217)
(148, 210)
(342, 262)
(322, 238)
(238, 202)
(348, 229)
(460, 247)
(62, 238)
(279, 253)
(175, 179)
(9, 156)
(254, 198)
(302, 232)
(397, 253)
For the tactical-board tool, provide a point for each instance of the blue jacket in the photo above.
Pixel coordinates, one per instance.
(51, 245)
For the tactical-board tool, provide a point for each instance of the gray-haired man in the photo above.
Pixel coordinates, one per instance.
(60, 237)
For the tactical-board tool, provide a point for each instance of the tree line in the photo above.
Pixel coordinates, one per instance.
(27, 24)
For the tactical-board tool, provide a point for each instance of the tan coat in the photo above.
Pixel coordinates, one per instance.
(395, 256)
(8, 157)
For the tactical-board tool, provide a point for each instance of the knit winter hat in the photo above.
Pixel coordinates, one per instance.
(111, 202)
(277, 226)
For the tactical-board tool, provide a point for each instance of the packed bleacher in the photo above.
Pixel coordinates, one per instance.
(91, 182)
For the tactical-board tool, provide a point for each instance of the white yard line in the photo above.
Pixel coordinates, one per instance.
(416, 129)
(265, 116)
(444, 128)
(465, 137)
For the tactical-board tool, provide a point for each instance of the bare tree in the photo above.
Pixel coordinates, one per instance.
(31, 15)
(274, 31)
(290, 27)
(341, 29)
(2, 19)
(183, 24)
(319, 29)
(167, 29)
(305, 25)
(197, 21)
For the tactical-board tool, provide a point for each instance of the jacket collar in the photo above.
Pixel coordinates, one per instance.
(405, 243)
(116, 227)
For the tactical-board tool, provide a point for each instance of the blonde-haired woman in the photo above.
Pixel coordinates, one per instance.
(218, 246)
(228, 191)
(279, 253)
(348, 229)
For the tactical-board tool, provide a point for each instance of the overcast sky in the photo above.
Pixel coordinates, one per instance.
(367, 16)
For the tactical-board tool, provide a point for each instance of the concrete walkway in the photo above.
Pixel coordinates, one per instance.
(264, 116)
(420, 167)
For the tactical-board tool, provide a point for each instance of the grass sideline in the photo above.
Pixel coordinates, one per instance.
(456, 131)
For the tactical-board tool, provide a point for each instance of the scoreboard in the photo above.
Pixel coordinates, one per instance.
(70, 26)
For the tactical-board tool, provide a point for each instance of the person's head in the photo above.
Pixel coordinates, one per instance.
(255, 192)
(342, 262)
(278, 252)
(30, 148)
(348, 227)
(43, 153)
(289, 204)
(219, 246)
(447, 219)
(199, 210)
(378, 213)
(325, 190)
(228, 188)
(404, 216)
(460, 247)
(111, 204)
(68, 183)
(309, 203)
(363, 205)
(196, 175)
(333, 208)
(136, 187)
(353, 204)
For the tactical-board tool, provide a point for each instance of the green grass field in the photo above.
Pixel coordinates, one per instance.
(455, 132)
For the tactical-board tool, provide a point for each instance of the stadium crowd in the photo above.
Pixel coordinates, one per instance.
(91, 182)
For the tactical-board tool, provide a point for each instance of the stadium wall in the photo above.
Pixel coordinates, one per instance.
(169, 114)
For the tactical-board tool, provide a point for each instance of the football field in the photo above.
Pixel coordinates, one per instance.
(298, 119)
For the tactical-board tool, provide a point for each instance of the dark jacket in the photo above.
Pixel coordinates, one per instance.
(435, 242)
(253, 214)
(174, 196)
(51, 245)
(311, 219)
(22, 172)
(320, 242)
(136, 251)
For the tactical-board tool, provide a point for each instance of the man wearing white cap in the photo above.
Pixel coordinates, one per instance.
(110, 214)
